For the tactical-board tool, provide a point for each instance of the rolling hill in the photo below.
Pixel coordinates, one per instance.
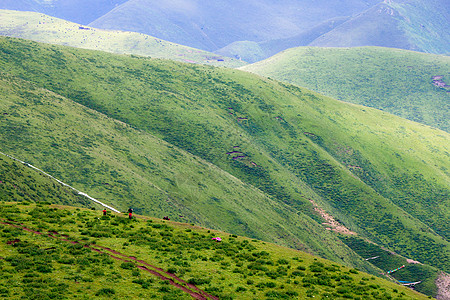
(241, 153)
(77, 253)
(409, 84)
(251, 52)
(46, 29)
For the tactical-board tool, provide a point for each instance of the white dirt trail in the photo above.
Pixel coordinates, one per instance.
(63, 183)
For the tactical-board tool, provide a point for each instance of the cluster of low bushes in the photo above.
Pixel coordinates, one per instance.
(60, 262)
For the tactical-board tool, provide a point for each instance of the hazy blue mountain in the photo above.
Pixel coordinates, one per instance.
(255, 51)
(79, 11)
(213, 25)
(257, 29)
(413, 25)
(30, 5)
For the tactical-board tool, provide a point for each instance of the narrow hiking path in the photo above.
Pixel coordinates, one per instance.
(63, 183)
(156, 270)
(175, 281)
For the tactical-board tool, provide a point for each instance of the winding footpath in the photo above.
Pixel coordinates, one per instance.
(175, 281)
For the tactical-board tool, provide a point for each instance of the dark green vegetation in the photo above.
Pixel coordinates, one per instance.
(46, 29)
(246, 154)
(81, 255)
(404, 83)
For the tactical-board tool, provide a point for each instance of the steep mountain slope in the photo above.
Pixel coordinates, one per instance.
(413, 25)
(66, 253)
(426, 23)
(408, 84)
(212, 25)
(24, 5)
(43, 28)
(378, 26)
(125, 167)
(381, 176)
(21, 183)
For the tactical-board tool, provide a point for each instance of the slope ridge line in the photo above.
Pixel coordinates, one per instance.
(63, 183)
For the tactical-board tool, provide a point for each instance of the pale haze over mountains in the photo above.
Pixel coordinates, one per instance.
(254, 30)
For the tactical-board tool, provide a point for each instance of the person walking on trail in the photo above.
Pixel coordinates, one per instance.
(104, 212)
(130, 213)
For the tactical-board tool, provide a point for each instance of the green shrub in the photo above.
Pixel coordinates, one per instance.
(240, 289)
(44, 268)
(199, 281)
(296, 273)
(276, 295)
(127, 265)
(105, 292)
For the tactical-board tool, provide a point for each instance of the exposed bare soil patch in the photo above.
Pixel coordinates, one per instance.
(330, 221)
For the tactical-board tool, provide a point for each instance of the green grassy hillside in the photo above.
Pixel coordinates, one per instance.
(381, 176)
(59, 252)
(397, 81)
(47, 29)
(21, 183)
(125, 167)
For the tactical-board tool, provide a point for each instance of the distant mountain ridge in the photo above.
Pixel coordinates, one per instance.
(255, 30)
(214, 25)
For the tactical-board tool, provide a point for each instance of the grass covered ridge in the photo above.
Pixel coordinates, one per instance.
(82, 254)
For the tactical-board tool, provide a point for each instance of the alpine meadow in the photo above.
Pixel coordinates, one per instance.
(227, 150)
(409, 84)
